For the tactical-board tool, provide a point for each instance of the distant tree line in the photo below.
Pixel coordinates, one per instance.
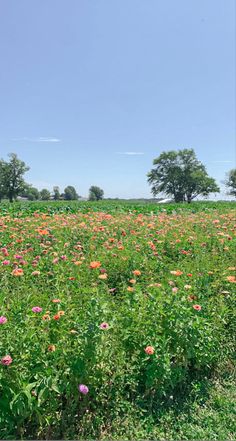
(13, 185)
(176, 174)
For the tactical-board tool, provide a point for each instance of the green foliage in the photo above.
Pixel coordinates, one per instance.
(139, 272)
(95, 193)
(31, 193)
(11, 177)
(70, 193)
(180, 175)
(45, 194)
(231, 182)
(56, 193)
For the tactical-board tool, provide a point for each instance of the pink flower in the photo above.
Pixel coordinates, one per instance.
(197, 307)
(3, 319)
(56, 301)
(55, 260)
(37, 309)
(63, 257)
(175, 289)
(104, 325)
(149, 350)
(6, 360)
(6, 262)
(83, 389)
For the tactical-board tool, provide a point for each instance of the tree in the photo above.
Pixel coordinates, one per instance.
(2, 179)
(231, 182)
(56, 193)
(13, 172)
(45, 194)
(70, 193)
(30, 192)
(95, 193)
(180, 175)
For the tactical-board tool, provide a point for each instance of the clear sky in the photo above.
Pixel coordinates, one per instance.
(91, 91)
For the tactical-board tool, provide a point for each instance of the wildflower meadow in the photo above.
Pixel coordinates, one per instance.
(111, 309)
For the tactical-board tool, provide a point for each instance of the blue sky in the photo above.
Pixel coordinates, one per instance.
(91, 91)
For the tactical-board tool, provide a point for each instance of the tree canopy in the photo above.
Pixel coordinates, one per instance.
(11, 177)
(180, 175)
(95, 193)
(70, 193)
(231, 182)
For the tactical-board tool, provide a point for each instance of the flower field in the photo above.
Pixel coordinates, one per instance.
(105, 309)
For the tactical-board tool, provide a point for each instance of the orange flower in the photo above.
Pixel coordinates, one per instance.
(95, 264)
(17, 272)
(231, 279)
(51, 348)
(176, 273)
(43, 232)
(60, 313)
(149, 350)
(136, 273)
(46, 317)
(78, 262)
(130, 288)
(133, 281)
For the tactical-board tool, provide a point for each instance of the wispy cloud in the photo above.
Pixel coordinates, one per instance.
(221, 162)
(38, 139)
(130, 153)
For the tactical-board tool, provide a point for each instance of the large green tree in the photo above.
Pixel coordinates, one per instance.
(231, 182)
(70, 193)
(45, 194)
(180, 175)
(95, 193)
(12, 173)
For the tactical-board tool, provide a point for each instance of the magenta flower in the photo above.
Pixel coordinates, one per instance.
(6, 360)
(104, 325)
(6, 262)
(37, 309)
(83, 389)
(3, 319)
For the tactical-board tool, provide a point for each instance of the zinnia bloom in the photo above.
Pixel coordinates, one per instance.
(83, 389)
(46, 317)
(197, 307)
(176, 273)
(56, 317)
(95, 264)
(104, 325)
(17, 272)
(56, 301)
(137, 273)
(51, 348)
(37, 309)
(35, 273)
(231, 279)
(3, 320)
(149, 350)
(6, 360)
(103, 276)
(6, 262)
